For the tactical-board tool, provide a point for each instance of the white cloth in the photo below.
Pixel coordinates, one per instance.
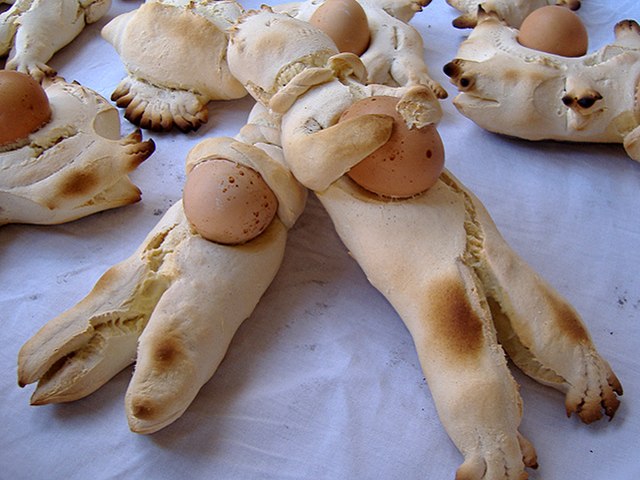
(322, 381)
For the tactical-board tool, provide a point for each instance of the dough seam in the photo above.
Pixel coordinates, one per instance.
(495, 301)
(128, 318)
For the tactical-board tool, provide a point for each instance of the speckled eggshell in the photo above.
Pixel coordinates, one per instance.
(24, 107)
(345, 22)
(408, 164)
(556, 30)
(228, 203)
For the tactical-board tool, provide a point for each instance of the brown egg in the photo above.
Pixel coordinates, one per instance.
(228, 203)
(345, 21)
(24, 106)
(554, 29)
(408, 164)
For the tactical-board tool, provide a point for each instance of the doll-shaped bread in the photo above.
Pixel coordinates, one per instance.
(378, 32)
(436, 255)
(174, 55)
(506, 87)
(32, 31)
(71, 163)
(512, 12)
(175, 304)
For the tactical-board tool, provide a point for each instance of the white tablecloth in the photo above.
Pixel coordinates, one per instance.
(322, 381)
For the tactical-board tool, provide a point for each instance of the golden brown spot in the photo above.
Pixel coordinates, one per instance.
(78, 184)
(568, 320)
(511, 76)
(144, 409)
(167, 353)
(456, 324)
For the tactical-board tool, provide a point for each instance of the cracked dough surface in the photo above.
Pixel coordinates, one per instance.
(323, 380)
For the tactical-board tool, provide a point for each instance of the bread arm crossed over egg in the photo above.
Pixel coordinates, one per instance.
(512, 12)
(391, 49)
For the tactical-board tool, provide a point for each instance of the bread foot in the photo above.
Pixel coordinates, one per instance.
(32, 31)
(160, 109)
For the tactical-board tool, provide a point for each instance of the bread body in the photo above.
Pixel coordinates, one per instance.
(510, 89)
(175, 57)
(75, 165)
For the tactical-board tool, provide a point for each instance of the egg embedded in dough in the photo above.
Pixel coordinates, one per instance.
(24, 108)
(408, 164)
(345, 21)
(556, 30)
(227, 202)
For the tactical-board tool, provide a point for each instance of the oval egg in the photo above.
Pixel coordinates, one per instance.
(345, 21)
(24, 107)
(408, 164)
(556, 30)
(228, 203)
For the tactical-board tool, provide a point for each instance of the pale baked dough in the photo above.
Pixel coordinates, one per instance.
(75, 165)
(464, 295)
(172, 307)
(395, 55)
(309, 84)
(512, 12)
(32, 31)
(174, 54)
(511, 89)
(437, 257)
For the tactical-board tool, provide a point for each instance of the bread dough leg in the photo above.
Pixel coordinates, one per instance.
(416, 252)
(541, 331)
(464, 295)
(194, 322)
(187, 295)
(36, 40)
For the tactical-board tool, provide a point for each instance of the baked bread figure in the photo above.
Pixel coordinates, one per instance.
(173, 306)
(72, 162)
(512, 12)
(464, 295)
(511, 89)
(190, 39)
(391, 49)
(32, 31)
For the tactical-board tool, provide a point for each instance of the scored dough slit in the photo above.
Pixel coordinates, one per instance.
(497, 303)
(521, 356)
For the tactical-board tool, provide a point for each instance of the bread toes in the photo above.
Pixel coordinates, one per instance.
(160, 109)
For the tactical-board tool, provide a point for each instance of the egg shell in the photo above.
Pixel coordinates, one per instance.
(556, 30)
(345, 21)
(408, 164)
(24, 107)
(228, 203)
